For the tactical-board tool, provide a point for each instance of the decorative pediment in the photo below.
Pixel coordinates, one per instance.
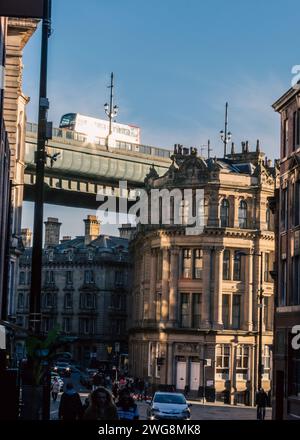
(152, 175)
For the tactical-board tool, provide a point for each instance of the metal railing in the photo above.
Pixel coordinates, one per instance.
(79, 137)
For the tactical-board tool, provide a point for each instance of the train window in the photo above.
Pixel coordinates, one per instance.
(67, 120)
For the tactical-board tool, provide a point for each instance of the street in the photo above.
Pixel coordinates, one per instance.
(199, 411)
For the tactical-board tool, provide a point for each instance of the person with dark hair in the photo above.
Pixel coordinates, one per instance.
(127, 409)
(55, 387)
(86, 404)
(261, 402)
(98, 379)
(70, 406)
(101, 406)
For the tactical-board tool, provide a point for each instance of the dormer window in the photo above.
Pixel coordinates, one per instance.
(90, 255)
(50, 255)
(70, 255)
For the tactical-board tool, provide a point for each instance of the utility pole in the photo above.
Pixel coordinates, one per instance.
(260, 307)
(40, 159)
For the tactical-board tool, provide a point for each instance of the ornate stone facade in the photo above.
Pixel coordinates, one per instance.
(19, 31)
(85, 291)
(195, 297)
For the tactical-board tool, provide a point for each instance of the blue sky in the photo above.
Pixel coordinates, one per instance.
(176, 63)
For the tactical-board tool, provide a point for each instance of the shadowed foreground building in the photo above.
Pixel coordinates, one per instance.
(195, 297)
(85, 291)
(287, 312)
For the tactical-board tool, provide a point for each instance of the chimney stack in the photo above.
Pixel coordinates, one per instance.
(232, 148)
(26, 237)
(257, 146)
(92, 229)
(52, 229)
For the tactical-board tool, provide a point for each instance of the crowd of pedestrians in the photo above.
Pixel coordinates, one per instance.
(108, 400)
(115, 400)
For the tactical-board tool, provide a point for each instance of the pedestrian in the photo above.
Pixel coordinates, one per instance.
(146, 388)
(115, 389)
(261, 402)
(126, 407)
(97, 379)
(55, 387)
(70, 406)
(101, 406)
(186, 391)
(86, 404)
(141, 386)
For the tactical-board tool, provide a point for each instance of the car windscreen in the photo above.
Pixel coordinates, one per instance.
(169, 398)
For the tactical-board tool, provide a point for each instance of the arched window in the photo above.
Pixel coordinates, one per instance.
(243, 214)
(224, 213)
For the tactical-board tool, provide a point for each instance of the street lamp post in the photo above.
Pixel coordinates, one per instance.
(40, 159)
(260, 317)
(225, 136)
(111, 110)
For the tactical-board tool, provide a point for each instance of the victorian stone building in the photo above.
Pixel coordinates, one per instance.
(194, 315)
(85, 291)
(287, 311)
(14, 35)
(18, 33)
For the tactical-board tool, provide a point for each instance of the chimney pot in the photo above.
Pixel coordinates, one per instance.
(26, 237)
(52, 230)
(92, 229)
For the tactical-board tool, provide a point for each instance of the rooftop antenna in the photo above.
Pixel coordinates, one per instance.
(111, 110)
(202, 148)
(225, 137)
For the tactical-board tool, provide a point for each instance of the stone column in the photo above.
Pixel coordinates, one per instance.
(218, 280)
(256, 286)
(165, 285)
(248, 294)
(236, 212)
(152, 286)
(173, 292)
(206, 287)
(233, 373)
